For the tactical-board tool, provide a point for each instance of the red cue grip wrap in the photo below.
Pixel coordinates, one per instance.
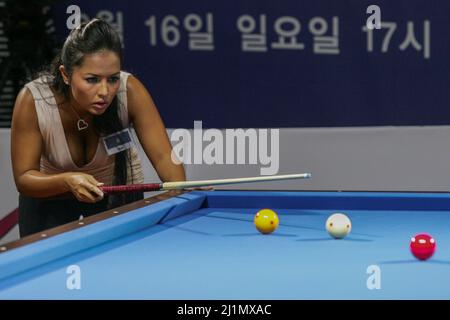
(132, 188)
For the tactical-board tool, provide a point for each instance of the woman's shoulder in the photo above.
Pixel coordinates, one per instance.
(25, 97)
(24, 107)
(134, 85)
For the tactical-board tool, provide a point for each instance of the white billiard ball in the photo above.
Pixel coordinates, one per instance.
(338, 225)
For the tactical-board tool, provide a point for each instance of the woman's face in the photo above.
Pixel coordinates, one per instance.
(94, 84)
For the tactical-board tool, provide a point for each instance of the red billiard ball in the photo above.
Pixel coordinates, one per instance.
(422, 246)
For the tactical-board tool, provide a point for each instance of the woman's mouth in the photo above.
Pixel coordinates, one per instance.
(100, 105)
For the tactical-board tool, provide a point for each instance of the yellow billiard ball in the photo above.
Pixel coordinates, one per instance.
(266, 221)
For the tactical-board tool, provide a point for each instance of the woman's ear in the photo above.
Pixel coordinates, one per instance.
(64, 74)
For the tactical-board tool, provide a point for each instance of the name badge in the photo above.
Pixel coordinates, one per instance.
(118, 141)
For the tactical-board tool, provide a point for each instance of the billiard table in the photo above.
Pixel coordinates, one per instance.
(204, 245)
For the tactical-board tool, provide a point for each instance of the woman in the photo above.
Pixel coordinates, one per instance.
(58, 124)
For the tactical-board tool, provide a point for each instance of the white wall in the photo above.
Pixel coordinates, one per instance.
(378, 159)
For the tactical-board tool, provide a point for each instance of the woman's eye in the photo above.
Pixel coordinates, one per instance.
(92, 80)
(113, 79)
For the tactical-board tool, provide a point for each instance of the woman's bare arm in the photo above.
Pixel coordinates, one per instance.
(26, 149)
(151, 132)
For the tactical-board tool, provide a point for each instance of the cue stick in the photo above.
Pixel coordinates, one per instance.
(199, 183)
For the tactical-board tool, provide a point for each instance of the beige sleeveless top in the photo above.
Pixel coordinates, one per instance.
(56, 156)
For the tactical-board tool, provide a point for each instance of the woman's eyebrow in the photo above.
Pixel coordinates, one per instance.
(97, 75)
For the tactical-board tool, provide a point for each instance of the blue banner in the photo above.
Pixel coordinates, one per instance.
(285, 63)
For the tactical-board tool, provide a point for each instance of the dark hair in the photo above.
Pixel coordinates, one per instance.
(88, 38)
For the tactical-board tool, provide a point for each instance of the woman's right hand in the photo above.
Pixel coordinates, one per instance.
(83, 186)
